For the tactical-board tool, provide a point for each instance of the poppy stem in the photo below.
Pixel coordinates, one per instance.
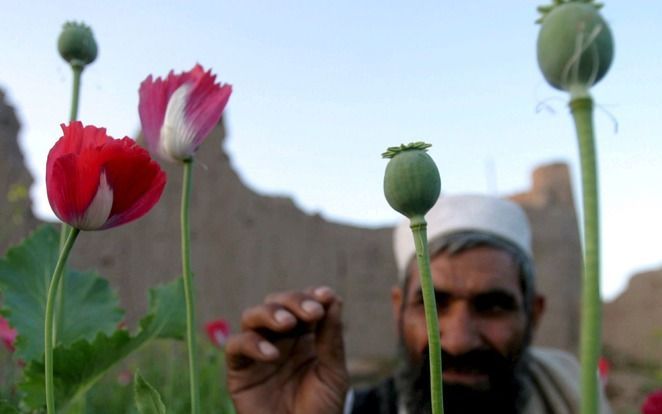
(64, 228)
(189, 288)
(73, 116)
(419, 229)
(75, 95)
(591, 310)
(49, 336)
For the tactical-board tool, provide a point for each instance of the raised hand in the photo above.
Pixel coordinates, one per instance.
(289, 357)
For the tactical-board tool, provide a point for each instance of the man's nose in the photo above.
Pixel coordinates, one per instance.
(459, 330)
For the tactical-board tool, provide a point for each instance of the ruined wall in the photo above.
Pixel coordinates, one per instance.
(557, 252)
(633, 321)
(16, 218)
(246, 245)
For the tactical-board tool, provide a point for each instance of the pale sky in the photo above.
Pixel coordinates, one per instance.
(321, 88)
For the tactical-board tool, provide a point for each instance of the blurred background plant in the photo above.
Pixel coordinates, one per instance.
(161, 363)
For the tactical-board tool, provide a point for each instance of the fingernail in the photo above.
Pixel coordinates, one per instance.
(323, 292)
(312, 308)
(283, 317)
(267, 349)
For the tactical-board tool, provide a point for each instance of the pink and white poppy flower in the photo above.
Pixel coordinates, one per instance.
(178, 112)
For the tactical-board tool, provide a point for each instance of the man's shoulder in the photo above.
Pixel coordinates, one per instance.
(555, 382)
(559, 362)
(379, 399)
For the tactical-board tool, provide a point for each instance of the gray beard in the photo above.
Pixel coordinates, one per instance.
(506, 395)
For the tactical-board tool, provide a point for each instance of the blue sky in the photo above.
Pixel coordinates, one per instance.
(321, 88)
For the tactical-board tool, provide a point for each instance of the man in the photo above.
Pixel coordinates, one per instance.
(289, 357)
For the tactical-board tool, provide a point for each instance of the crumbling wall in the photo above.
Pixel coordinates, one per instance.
(246, 245)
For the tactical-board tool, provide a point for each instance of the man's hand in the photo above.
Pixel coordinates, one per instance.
(289, 357)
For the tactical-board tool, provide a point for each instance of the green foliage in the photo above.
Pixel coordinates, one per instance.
(79, 366)
(7, 408)
(164, 364)
(90, 307)
(148, 400)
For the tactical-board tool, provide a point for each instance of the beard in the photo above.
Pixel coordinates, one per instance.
(504, 395)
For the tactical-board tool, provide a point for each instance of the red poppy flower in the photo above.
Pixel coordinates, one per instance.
(603, 369)
(96, 182)
(7, 334)
(653, 404)
(218, 332)
(178, 112)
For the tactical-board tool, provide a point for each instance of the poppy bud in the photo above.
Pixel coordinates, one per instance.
(575, 46)
(76, 44)
(411, 181)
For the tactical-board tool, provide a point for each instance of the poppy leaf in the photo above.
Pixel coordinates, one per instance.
(78, 367)
(90, 307)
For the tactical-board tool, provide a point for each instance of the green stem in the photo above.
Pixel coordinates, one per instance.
(591, 311)
(75, 95)
(419, 229)
(73, 115)
(64, 228)
(48, 323)
(189, 289)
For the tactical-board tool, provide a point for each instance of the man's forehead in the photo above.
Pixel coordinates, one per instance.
(473, 271)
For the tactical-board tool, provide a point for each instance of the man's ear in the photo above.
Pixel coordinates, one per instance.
(538, 309)
(396, 303)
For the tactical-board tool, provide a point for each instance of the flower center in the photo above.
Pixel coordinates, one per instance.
(177, 135)
(98, 211)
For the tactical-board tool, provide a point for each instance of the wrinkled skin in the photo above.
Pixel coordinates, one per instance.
(484, 332)
(289, 357)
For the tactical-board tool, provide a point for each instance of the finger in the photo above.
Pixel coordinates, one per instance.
(329, 331)
(245, 348)
(302, 305)
(270, 316)
(324, 294)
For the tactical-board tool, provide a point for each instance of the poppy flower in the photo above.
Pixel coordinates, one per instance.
(218, 332)
(7, 334)
(603, 369)
(653, 404)
(178, 112)
(95, 182)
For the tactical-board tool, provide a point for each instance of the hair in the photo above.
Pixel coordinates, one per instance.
(458, 242)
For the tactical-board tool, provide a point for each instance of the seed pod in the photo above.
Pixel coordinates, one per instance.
(411, 180)
(575, 45)
(76, 44)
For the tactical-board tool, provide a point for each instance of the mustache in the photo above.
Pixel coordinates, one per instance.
(478, 361)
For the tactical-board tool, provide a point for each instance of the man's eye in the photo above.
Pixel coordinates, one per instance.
(493, 305)
(442, 301)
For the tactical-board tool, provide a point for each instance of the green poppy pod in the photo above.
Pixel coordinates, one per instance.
(575, 46)
(76, 44)
(411, 181)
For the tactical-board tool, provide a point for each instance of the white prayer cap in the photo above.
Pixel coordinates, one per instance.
(465, 213)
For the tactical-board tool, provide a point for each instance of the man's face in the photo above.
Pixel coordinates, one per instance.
(482, 319)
